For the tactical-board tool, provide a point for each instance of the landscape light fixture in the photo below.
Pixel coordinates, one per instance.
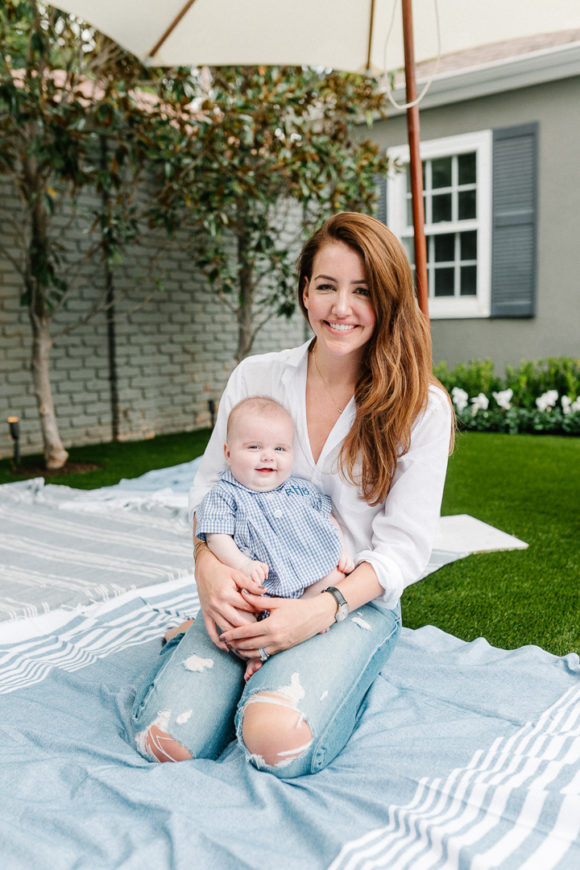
(14, 426)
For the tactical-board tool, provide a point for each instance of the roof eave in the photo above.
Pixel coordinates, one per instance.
(497, 77)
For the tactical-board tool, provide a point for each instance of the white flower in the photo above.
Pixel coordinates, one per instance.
(566, 403)
(460, 398)
(547, 400)
(575, 406)
(504, 398)
(480, 403)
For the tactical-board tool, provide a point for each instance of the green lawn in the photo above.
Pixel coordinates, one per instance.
(527, 485)
(126, 459)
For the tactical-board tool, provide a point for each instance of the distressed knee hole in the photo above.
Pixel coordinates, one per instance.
(158, 745)
(274, 730)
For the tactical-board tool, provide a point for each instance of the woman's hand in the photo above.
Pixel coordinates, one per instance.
(219, 588)
(291, 621)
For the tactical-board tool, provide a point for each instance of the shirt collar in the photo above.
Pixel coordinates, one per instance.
(297, 354)
(294, 372)
(228, 477)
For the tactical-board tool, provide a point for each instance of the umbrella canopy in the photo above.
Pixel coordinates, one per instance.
(343, 34)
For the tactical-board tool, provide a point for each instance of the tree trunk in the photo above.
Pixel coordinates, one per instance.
(54, 452)
(246, 293)
(35, 279)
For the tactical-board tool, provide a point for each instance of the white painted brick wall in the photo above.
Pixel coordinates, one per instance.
(173, 354)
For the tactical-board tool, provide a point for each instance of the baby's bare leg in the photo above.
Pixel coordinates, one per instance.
(333, 579)
(251, 668)
(179, 629)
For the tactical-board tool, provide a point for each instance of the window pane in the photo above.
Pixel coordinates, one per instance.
(409, 247)
(441, 172)
(441, 208)
(468, 280)
(466, 168)
(444, 281)
(469, 245)
(445, 247)
(466, 204)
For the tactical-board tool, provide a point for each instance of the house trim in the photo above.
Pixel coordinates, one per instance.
(456, 307)
(497, 76)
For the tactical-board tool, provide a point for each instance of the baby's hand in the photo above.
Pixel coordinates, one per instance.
(257, 571)
(345, 563)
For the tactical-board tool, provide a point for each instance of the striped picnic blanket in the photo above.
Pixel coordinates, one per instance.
(52, 558)
(465, 756)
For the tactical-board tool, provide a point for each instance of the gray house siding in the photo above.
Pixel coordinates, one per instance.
(553, 331)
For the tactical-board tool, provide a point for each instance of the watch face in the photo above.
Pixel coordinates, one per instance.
(342, 612)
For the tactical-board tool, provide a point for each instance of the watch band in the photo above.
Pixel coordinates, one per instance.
(343, 609)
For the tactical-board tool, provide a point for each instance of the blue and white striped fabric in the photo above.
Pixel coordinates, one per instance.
(515, 804)
(464, 757)
(288, 528)
(52, 558)
(59, 641)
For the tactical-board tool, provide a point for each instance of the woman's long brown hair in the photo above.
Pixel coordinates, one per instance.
(393, 386)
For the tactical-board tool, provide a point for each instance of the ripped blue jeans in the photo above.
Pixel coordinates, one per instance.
(197, 695)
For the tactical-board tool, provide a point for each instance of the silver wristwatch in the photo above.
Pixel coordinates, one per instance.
(343, 609)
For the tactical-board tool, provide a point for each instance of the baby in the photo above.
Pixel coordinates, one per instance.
(258, 518)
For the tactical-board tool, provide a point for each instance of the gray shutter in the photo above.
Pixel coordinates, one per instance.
(381, 183)
(515, 198)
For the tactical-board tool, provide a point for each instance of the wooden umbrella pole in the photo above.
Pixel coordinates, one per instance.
(413, 135)
(169, 30)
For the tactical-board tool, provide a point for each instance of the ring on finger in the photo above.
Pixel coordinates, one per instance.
(263, 654)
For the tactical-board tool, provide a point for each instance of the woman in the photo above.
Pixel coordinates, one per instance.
(373, 431)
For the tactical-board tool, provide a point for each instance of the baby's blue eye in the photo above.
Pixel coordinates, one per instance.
(252, 447)
(281, 449)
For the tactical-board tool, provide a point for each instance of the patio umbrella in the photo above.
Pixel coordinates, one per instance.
(356, 35)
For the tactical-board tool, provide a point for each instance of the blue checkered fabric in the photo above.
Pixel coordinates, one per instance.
(288, 528)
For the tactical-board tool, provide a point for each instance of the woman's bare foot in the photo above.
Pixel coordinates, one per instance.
(178, 629)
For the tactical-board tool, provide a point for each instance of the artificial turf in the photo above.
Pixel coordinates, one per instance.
(118, 460)
(527, 485)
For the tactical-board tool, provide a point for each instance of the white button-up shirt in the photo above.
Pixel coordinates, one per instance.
(395, 536)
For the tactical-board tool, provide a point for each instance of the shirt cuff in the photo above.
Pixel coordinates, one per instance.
(216, 527)
(388, 574)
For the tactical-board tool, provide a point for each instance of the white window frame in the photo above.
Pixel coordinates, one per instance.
(481, 142)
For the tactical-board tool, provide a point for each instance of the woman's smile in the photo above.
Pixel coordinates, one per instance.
(343, 327)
